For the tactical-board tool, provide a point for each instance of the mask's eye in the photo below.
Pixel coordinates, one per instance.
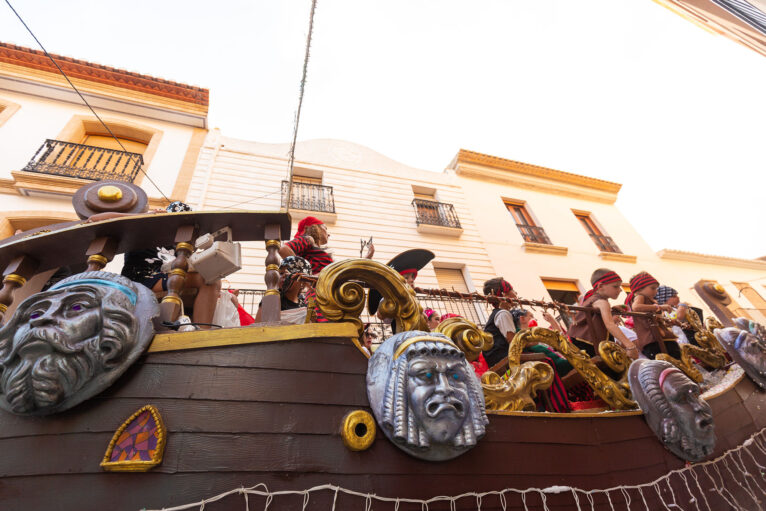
(76, 307)
(455, 376)
(429, 375)
(35, 314)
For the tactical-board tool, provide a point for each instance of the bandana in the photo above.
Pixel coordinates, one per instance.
(410, 270)
(505, 287)
(637, 283)
(306, 222)
(608, 278)
(295, 264)
(177, 207)
(665, 373)
(429, 313)
(665, 293)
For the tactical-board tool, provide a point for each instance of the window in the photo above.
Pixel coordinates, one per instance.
(308, 193)
(529, 231)
(451, 279)
(604, 243)
(759, 314)
(564, 291)
(428, 211)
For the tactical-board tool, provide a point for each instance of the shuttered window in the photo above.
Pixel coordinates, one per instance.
(450, 278)
(560, 285)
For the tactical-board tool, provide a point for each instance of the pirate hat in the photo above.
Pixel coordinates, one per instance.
(408, 261)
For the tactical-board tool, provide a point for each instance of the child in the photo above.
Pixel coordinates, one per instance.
(643, 288)
(606, 284)
(500, 323)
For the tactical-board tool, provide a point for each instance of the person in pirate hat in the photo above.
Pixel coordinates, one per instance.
(408, 264)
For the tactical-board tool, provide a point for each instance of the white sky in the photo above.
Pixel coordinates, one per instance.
(623, 91)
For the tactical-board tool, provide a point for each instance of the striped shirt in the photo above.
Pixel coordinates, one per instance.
(303, 247)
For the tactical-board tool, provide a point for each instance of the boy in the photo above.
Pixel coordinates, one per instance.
(606, 284)
(643, 288)
(500, 323)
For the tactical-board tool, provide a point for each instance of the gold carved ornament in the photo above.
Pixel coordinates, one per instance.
(516, 393)
(615, 393)
(340, 296)
(467, 336)
(358, 430)
(709, 352)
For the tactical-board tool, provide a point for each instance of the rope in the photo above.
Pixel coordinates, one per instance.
(729, 456)
(140, 166)
(291, 160)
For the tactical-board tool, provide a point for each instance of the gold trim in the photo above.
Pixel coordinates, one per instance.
(174, 299)
(178, 271)
(421, 338)
(250, 335)
(270, 292)
(185, 246)
(98, 258)
(349, 434)
(109, 193)
(132, 465)
(15, 278)
(273, 243)
(270, 267)
(3, 308)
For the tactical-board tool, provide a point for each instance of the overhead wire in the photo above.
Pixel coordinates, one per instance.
(291, 160)
(140, 164)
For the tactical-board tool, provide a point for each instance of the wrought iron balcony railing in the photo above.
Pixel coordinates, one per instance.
(605, 244)
(533, 234)
(83, 161)
(309, 196)
(435, 213)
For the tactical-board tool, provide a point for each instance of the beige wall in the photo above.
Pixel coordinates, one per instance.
(373, 196)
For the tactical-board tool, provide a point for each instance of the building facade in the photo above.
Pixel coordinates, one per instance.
(544, 230)
(51, 143)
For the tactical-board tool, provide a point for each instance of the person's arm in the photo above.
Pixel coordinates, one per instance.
(552, 322)
(606, 317)
(640, 305)
(504, 322)
(370, 251)
(285, 251)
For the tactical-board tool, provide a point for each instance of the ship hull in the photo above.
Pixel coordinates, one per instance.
(270, 413)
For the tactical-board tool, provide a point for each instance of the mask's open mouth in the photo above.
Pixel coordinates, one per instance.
(435, 407)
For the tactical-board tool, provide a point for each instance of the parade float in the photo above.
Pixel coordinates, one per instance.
(103, 405)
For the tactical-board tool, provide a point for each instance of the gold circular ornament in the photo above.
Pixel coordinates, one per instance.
(16, 279)
(98, 259)
(109, 193)
(358, 430)
(718, 288)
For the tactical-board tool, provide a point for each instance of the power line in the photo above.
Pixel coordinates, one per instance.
(291, 161)
(140, 166)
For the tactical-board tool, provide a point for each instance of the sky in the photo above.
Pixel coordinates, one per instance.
(622, 91)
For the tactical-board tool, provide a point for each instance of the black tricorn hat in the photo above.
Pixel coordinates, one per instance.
(409, 260)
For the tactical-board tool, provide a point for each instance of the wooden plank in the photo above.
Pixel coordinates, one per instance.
(335, 356)
(250, 335)
(152, 381)
(183, 415)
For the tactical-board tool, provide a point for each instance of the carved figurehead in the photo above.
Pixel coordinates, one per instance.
(746, 345)
(65, 345)
(425, 395)
(673, 408)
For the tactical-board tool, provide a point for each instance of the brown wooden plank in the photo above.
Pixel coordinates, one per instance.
(325, 355)
(183, 415)
(151, 381)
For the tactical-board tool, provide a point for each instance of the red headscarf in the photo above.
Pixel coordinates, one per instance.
(607, 278)
(410, 270)
(309, 220)
(637, 283)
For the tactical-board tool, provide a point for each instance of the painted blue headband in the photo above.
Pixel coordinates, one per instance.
(99, 282)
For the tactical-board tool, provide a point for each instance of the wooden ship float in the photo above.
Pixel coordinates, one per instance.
(296, 416)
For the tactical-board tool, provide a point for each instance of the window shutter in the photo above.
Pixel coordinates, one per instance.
(449, 279)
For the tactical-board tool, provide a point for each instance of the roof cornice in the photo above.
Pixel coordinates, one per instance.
(694, 257)
(97, 73)
(473, 164)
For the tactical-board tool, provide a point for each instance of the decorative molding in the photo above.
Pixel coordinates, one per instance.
(251, 335)
(441, 230)
(327, 218)
(544, 248)
(185, 174)
(473, 163)
(135, 442)
(614, 256)
(694, 257)
(80, 69)
(7, 109)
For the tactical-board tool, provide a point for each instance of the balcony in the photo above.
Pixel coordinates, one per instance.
(533, 234)
(59, 158)
(311, 197)
(435, 213)
(605, 244)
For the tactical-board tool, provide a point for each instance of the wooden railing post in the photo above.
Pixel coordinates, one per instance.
(100, 252)
(15, 275)
(270, 303)
(171, 305)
